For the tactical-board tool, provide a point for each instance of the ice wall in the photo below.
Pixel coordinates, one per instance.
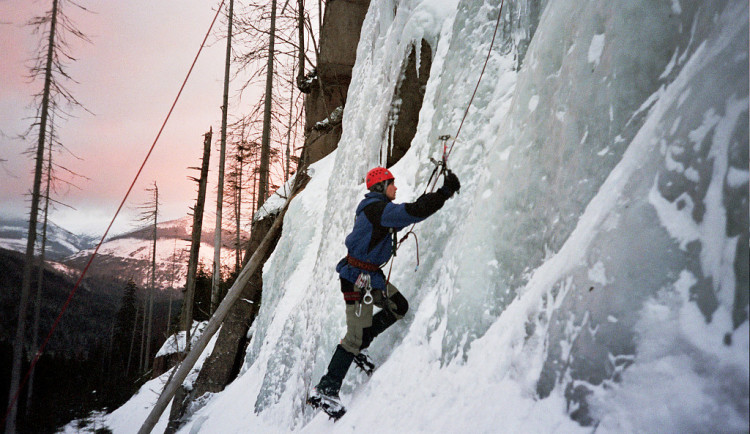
(593, 272)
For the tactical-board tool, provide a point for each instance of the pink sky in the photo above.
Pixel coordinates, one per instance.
(128, 77)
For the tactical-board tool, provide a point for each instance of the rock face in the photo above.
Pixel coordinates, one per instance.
(339, 37)
(407, 102)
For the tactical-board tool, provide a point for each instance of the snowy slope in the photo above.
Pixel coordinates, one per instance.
(129, 255)
(60, 242)
(593, 272)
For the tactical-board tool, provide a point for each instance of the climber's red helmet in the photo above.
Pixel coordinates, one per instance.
(378, 175)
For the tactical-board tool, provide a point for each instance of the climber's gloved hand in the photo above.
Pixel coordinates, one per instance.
(451, 184)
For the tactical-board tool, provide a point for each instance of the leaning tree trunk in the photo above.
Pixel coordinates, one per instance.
(226, 359)
(181, 373)
(18, 342)
(224, 363)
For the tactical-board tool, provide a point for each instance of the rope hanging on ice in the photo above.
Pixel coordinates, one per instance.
(486, 60)
(442, 165)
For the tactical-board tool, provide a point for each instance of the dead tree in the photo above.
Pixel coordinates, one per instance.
(40, 279)
(236, 185)
(50, 68)
(151, 213)
(216, 278)
(260, 24)
(265, 152)
(195, 241)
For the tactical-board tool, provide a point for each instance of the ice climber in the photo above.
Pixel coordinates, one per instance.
(363, 284)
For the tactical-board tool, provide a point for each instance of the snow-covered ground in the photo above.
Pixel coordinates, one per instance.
(592, 274)
(129, 416)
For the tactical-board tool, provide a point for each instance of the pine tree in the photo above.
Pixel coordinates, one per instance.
(125, 320)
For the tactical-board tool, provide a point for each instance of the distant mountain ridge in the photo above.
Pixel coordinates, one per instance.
(128, 255)
(60, 241)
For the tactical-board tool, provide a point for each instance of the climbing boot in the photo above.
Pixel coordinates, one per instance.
(329, 403)
(326, 394)
(337, 368)
(364, 362)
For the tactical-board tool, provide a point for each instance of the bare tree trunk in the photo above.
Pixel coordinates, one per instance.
(222, 365)
(301, 48)
(187, 303)
(141, 356)
(153, 280)
(216, 278)
(255, 185)
(39, 281)
(238, 201)
(237, 215)
(289, 134)
(108, 372)
(171, 287)
(265, 152)
(18, 342)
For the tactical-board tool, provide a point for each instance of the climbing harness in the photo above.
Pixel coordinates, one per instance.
(367, 266)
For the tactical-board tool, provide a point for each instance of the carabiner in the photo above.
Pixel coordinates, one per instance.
(368, 299)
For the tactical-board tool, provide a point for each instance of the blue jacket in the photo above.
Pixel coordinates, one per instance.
(376, 219)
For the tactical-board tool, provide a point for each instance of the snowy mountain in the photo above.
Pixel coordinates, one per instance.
(129, 255)
(592, 275)
(60, 242)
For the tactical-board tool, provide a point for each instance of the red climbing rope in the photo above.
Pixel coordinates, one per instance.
(101, 241)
